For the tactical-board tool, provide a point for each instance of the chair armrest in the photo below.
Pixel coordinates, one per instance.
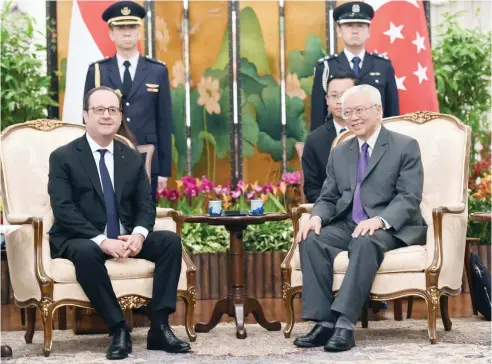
(25, 256)
(452, 209)
(20, 219)
(295, 217)
(448, 228)
(168, 213)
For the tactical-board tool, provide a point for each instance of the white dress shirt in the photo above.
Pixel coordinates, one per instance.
(350, 56)
(133, 65)
(109, 161)
(371, 141)
(338, 127)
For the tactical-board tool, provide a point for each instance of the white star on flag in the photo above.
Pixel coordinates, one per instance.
(419, 42)
(399, 83)
(394, 32)
(421, 73)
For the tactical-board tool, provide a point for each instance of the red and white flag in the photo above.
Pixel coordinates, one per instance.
(399, 30)
(88, 42)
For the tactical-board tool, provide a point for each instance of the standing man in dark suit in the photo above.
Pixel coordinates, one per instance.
(369, 204)
(144, 83)
(102, 205)
(353, 21)
(318, 142)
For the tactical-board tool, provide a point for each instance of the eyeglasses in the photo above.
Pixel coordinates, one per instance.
(346, 114)
(100, 110)
(334, 97)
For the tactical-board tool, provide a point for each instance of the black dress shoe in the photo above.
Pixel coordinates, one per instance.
(318, 336)
(120, 346)
(164, 339)
(341, 340)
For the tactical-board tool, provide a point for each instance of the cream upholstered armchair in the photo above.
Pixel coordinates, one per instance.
(433, 270)
(48, 284)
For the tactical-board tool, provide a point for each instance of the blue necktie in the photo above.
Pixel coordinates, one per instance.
(358, 213)
(113, 220)
(342, 130)
(356, 61)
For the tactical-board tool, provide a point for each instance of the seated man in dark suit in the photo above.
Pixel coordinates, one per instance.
(318, 142)
(102, 204)
(369, 204)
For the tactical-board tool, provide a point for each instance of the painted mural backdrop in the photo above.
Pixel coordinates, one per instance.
(260, 78)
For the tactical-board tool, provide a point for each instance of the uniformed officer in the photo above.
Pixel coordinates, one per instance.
(144, 84)
(353, 21)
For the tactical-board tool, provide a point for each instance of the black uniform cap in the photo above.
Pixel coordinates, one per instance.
(124, 13)
(353, 12)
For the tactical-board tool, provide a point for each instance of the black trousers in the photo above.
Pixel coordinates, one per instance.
(318, 252)
(161, 247)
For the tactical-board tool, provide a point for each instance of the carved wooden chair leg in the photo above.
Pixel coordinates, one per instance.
(47, 318)
(189, 317)
(364, 316)
(445, 313)
(31, 324)
(288, 300)
(128, 314)
(398, 309)
(432, 301)
(410, 307)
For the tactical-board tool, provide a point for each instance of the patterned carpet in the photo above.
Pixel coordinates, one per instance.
(385, 342)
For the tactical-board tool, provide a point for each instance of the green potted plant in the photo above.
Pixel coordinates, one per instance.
(25, 86)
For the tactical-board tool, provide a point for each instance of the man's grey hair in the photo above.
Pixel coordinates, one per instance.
(372, 91)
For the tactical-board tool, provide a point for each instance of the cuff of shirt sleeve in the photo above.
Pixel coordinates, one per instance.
(386, 224)
(99, 239)
(141, 230)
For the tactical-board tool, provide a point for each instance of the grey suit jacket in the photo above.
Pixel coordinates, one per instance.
(391, 188)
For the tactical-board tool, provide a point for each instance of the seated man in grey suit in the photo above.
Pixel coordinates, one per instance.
(369, 204)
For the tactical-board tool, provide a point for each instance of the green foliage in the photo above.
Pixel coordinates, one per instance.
(302, 62)
(462, 68)
(270, 236)
(479, 229)
(267, 107)
(24, 87)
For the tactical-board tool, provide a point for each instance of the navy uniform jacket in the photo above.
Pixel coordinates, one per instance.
(376, 71)
(147, 110)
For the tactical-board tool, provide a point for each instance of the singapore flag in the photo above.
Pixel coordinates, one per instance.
(399, 30)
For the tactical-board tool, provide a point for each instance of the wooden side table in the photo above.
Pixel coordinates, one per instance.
(237, 304)
(481, 217)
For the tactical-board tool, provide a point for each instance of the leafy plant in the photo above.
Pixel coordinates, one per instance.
(24, 86)
(462, 68)
(270, 236)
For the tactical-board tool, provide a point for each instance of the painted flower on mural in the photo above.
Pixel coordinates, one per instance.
(293, 87)
(208, 88)
(178, 72)
(162, 33)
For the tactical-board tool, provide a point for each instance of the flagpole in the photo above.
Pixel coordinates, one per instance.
(282, 85)
(331, 40)
(186, 58)
(235, 96)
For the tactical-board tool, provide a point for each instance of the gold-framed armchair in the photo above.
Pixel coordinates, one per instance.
(48, 284)
(433, 270)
